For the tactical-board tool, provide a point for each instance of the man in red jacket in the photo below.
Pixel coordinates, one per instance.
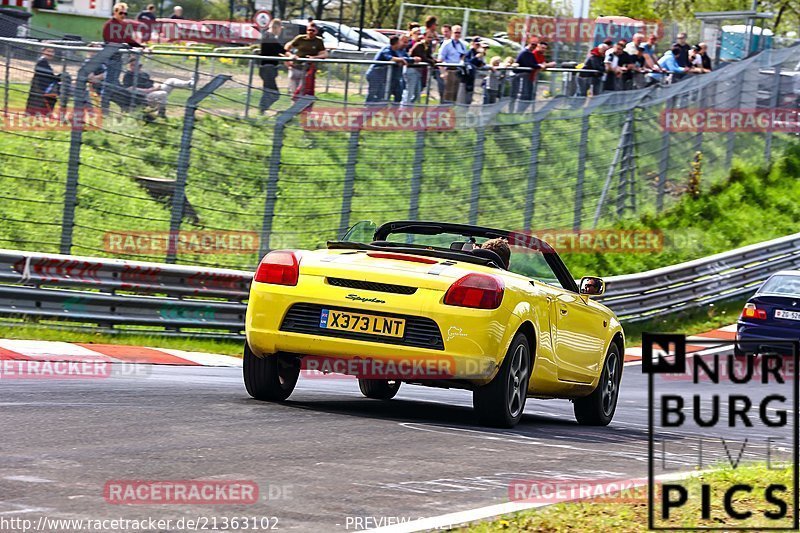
(118, 30)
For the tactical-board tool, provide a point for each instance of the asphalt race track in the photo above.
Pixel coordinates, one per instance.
(322, 460)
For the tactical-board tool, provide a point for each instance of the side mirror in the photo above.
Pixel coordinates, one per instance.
(592, 286)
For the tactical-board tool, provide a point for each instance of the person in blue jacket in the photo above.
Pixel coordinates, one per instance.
(378, 75)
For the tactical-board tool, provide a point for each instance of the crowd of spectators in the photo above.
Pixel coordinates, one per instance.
(424, 54)
(622, 65)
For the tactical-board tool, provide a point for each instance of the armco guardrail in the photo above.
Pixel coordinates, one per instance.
(166, 299)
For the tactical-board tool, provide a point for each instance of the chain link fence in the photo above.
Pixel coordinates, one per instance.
(204, 164)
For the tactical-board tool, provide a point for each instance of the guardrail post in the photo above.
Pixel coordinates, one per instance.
(416, 175)
(249, 90)
(349, 181)
(275, 168)
(576, 222)
(477, 173)
(773, 103)
(184, 156)
(533, 174)
(663, 165)
(75, 143)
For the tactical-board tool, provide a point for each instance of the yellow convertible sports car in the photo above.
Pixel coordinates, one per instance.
(441, 305)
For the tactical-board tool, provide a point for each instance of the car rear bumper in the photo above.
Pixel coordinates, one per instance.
(765, 337)
(471, 342)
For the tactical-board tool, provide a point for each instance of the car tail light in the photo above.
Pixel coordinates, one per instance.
(280, 267)
(479, 291)
(751, 311)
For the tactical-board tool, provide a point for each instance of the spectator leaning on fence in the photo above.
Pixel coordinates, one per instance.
(417, 73)
(650, 57)
(302, 74)
(453, 52)
(591, 75)
(493, 81)
(632, 48)
(378, 75)
(682, 57)
(268, 71)
(473, 62)
(44, 90)
(704, 55)
(613, 69)
(177, 13)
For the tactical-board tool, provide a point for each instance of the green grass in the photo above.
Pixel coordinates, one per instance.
(630, 516)
(690, 322)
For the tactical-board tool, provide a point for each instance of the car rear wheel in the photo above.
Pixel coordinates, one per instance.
(598, 408)
(379, 389)
(500, 403)
(271, 378)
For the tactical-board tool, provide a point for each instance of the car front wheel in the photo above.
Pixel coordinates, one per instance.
(271, 378)
(598, 408)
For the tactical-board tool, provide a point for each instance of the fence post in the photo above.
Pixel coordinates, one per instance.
(346, 81)
(349, 181)
(416, 175)
(773, 103)
(663, 165)
(275, 168)
(732, 133)
(196, 75)
(249, 90)
(7, 78)
(184, 156)
(76, 140)
(618, 153)
(533, 174)
(477, 173)
(576, 222)
(698, 138)
(388, 89)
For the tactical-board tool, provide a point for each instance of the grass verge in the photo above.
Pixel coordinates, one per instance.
(631, 516)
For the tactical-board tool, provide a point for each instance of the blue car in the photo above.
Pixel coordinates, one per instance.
(772, 313)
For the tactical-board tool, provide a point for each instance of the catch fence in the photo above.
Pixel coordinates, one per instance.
(278, 179)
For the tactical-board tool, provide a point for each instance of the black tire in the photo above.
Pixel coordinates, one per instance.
(379, 389)
(501, 402)
(599, 407)
(271, 378)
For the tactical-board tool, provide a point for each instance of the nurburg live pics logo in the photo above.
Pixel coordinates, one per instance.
(720, 419)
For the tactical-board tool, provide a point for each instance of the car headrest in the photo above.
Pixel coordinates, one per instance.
(490, 254)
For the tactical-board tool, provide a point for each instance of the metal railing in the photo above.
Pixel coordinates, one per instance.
(162, 299)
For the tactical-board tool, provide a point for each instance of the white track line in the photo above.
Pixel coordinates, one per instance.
(452, 520)
(204, 359)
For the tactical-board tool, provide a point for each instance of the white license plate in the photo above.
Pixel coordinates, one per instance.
(790, 315)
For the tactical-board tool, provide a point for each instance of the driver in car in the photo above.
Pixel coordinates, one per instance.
(500, 247)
